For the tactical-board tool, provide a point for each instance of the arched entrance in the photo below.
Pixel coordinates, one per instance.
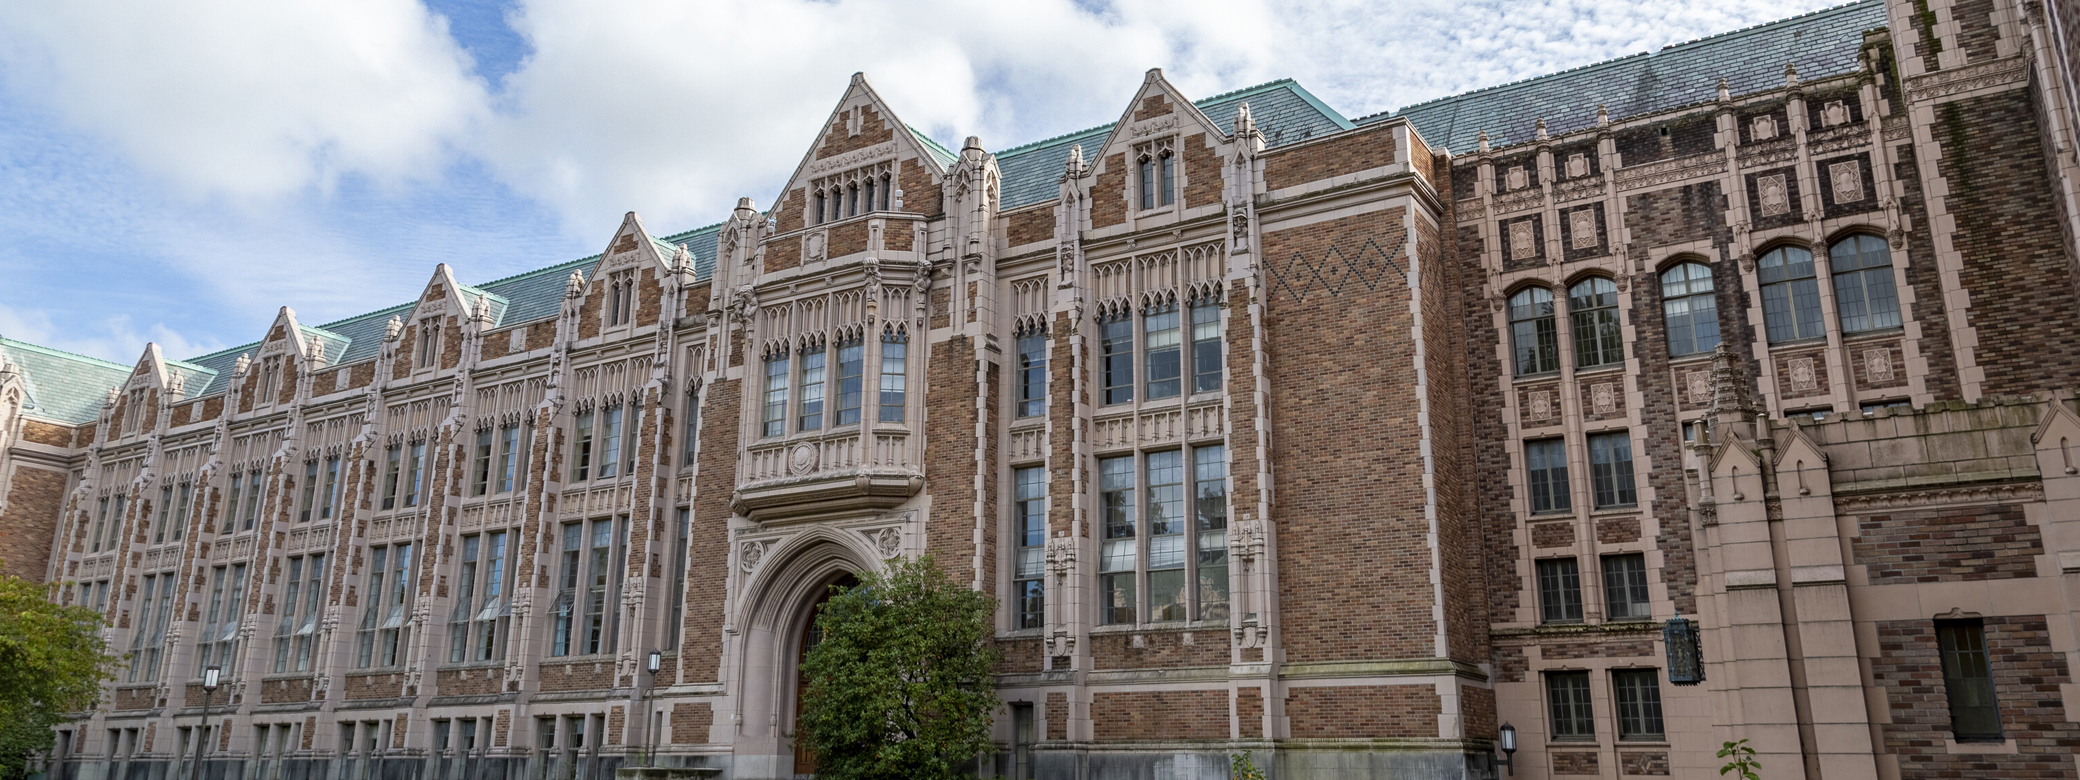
(804, 758)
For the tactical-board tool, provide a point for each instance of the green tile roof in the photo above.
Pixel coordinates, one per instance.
(1821, 43)
(63, 386)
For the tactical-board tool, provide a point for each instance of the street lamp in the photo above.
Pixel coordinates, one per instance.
(1509, 748)
(209, 686)
(652, 664)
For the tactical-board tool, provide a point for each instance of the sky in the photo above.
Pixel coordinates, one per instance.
(178, 170)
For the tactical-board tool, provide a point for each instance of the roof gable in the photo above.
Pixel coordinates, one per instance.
(63, 386)
(861, 130)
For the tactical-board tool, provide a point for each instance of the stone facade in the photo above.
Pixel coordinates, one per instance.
(1269, 385)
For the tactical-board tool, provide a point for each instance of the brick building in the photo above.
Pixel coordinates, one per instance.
(1341, 440)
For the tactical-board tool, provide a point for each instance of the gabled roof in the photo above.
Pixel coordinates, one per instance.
(63, 386)
(1822, 43)
(938, 151)
(1285, 112)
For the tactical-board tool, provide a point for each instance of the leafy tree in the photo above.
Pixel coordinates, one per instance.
(1242, 768)
(1743, 760)
(900, 685)
(52, 661)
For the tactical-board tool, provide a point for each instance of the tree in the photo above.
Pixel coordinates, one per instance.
(901, 683)
(1743, 760)
(52, 662)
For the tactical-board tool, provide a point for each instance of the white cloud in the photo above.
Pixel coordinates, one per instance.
(249, 98)
(114, 338)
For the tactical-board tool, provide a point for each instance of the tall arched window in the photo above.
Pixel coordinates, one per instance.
(1863, 293)
(1689, 311)
(1531, 330)
(821, 209)
(1592, 307)
(1790, 295)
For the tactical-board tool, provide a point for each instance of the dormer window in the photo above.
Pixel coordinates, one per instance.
(270, 377)
(429, 342)
(621, 299)
(1158, 174)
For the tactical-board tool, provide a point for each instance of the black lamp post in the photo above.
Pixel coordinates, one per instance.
(1509, 748)
(652, 664)
(209, 686)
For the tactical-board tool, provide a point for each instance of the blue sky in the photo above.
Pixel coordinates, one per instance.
(176, 170)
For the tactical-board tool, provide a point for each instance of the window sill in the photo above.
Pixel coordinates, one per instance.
(1551, 514)
(1022, 633)
(1600, 369)
(1543, 375)
(1808, 341)
(1875, 333)
(1615, 509)
(1175, 625)
(1657, 741)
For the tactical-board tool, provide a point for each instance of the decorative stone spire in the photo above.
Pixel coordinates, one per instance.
(1075, 166)
(575, 286)
(1244, 123)
(1603, 116)
(1790, 75)
(1725, 94)
(1729, 384)
(315, 353)
(1483, 141)
(1542, 129)
(115, 393)
(245, 359)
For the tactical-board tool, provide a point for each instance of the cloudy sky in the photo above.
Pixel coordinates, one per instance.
(175, 170)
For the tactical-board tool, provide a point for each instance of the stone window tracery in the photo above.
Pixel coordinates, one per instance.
(1156, 162)
(621, 298)
(429, 341)
(851, 193)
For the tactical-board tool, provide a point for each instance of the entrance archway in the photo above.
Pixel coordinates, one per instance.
(810, 635)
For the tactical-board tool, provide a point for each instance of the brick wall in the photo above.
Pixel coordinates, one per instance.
(2023, 303)
(690, 722)
(1020, 655)
(40, 432)
(469, 682)
(2027, 673)
(1029, 226)
(838, 138)
(285, 691)
(783, 254)
(1575, 763)
(920, 194)
(1643, 763)
(1617, 530)
(707, 576)
(1558, 650)
(850, 237)
(949, 461)
(1477, 705)
(1556, 534)
(1159, 649)
(140, 698)
(1354, 566)
(1249, 712)
(577, 676)
(1057, 716)
(1947, 545)
(1363, 712)
(35, 501)
(1202, 171)
(1109, 193)
(1358, 150)
(388, 685)
(1165, 715)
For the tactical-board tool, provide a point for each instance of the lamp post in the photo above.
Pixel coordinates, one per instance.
(651, 664)
(209, 686)
(1509, 748)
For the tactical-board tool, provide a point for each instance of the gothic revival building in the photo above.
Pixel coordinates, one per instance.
(1346, 441)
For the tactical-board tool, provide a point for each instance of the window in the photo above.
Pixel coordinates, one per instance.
(1206, 347)
(154, 607)
(1162, 355)
(270, 378)
(100, 523)
(119, 523)
(1567, 694)
(895, 346)
(822, 207)
(1968, 680)
(1559, 591)
(621, 304)
(1117, 345)
(310, 492)
(1592, 307)
(1022, 738)
(1166, 536)
(1158, 176)
(219, 641)
(510, 456)
(429, 341)
(1625, 587)
(235, 493)
(1639, 703)
(477, 625)
(1532, 333)
(393, 459)
(1032, 374)
(329, 497)
(252, 513)
(480, 474)
(1872, 408)
(1116, 600)
(581, 448)
(1210, 500)
(812, 390)
(612, 433)
(588, 554)
(773, 422)
(852, 362)
(1029, 521)
(301, 595)
(1863, 293)
(1790, 295)
(691, 434)
(1545, 460)
(165, 515)
(180, 510)
(383, 636)
(415, 477)
(1610, 469)
(1689, 310)
(678, 553)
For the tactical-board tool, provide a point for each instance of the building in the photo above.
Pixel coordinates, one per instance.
(1346, 441)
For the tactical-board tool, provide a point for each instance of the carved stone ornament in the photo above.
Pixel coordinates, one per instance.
(1774, 195)
(1248, 544)
(1699, 384)
(1577, 165)
(1603, 398)
(1847, 178)
(1763, 128)
(1061, 643)
(1877, 364)
(750, 555)
(1538, 405)
(1803, 377)
(802, 459)
(1522, 244)
(1061, 556)
(1835, 113)
(1516, 179)
(1238, 222)
(813, 246)
(1581, 228)
(889, 542)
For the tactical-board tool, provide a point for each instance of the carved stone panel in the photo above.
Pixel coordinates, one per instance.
(1847, 180)
(1774, 195)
